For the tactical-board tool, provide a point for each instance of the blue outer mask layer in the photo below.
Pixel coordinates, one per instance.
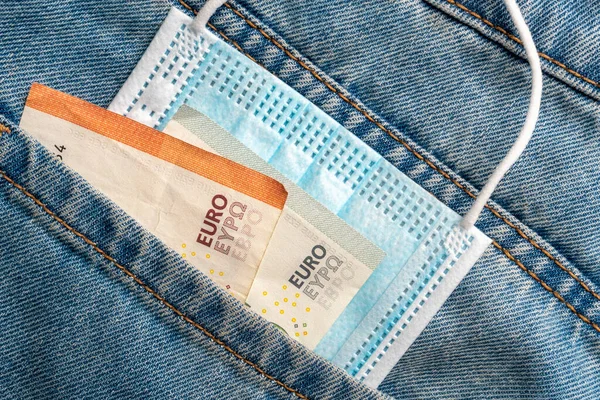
(427, 252)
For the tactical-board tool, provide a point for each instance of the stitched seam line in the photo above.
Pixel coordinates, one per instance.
(516, 39)
(148, 288)
(4, 129)
(394, 136)
(546, 286)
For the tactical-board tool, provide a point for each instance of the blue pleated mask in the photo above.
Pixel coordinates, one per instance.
(427, 251)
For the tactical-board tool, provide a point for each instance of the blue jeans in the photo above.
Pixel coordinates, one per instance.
(91, 305)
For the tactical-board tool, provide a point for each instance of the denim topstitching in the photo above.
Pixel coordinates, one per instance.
(516, 39)
(4, 129)
(148, 289)
(372, 119)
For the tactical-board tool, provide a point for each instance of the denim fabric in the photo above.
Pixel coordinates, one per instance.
(93, 306)
(453, 91)
(566, 32)
(86, 50)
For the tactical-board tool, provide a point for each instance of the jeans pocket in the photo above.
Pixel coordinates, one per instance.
(86, 292)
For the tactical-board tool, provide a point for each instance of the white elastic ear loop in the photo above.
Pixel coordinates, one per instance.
(207, 10)
(514, 153)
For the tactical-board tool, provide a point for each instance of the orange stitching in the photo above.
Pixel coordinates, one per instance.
(393, 135)
(4, 129)
(516, 39)
(148, 288)
(546, 286)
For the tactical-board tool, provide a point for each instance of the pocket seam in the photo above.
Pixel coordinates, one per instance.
(419, 156)
(147, 288)
(518, 40)
(4, 129)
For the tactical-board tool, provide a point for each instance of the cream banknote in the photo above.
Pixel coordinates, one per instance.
(216, 213)
(315, 262)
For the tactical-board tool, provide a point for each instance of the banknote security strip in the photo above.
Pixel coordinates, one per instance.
(427, 251)
(217, 214)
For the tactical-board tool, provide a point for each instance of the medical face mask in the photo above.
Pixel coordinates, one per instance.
(429, 248)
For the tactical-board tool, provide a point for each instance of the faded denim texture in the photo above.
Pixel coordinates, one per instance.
(432, 87)
(94, 306)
